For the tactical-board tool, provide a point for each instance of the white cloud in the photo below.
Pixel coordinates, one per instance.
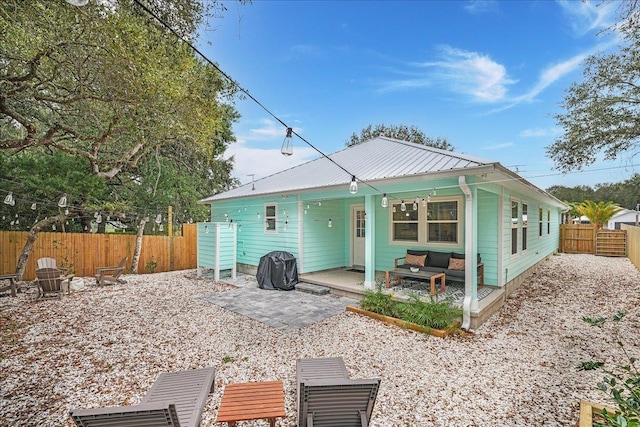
(552, 74)
(585, 16)
(476, 7)
(473, 74)
(533, 133)
(499, 146)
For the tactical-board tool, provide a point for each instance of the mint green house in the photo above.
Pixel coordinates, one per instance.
(409, 196)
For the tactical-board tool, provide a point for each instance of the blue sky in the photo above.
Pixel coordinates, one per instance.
(486, 75)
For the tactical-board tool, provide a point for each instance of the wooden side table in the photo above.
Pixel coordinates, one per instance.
(12, 283)
(251, 401)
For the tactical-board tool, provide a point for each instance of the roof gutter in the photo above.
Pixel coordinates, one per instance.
(468, 250)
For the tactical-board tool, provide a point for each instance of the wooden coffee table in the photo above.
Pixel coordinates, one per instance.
(432, 277)
(251, 401)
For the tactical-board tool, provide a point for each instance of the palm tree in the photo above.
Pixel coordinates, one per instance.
(598, 213)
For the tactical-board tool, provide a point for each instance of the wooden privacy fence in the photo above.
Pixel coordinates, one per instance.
(633, 244)
(84, 252)
(577, 239)
(586, 239)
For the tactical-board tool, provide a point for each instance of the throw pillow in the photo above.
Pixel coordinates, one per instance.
(417, 260)
(456, 264)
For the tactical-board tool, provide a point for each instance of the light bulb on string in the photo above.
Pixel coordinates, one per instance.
(9, 200)
(206, 229)
(66, 211)
(403, 207)
(424, 202)
(319, 202)
(53, 227)
(62, 203)
(353, 187)
(158, 218)
(161, 227)
(394, 209)
(330, 224)
(99, 218)
(33, 206)
(385, 201)
(287, 144)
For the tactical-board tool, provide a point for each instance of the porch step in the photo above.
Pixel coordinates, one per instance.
(312, 289)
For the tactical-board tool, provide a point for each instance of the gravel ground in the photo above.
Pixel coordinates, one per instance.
(105, 346)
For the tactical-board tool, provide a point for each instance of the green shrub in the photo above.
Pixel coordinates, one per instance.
(379, 302)
(431, 314)
(622, 382)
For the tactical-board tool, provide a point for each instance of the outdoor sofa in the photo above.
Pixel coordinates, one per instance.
(449, 263)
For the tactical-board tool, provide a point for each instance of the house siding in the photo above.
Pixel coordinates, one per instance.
(324, 246)
(538, 247)
(252, 240)
(488, 234)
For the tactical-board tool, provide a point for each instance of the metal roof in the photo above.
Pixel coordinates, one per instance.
(377, 159)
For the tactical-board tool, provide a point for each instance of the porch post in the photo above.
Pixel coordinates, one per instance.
(470, 249)
(369, 242)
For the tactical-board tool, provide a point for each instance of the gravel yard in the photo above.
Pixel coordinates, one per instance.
(105, 347)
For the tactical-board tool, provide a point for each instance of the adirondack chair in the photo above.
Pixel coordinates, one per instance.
(111, 275)
(51, 263)
(50, 282)
(175, 399)
(327, 397)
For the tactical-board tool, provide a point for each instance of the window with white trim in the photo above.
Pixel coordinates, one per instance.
(514, 227)
(443, 221)
(525, 209)
(405, 222)
(540, 220)
(271, 218)
(436, 222)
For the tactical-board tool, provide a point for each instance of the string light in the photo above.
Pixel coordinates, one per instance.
(403, 207)
(353, 187)
(33, 207)
(287, 144)
(385, 201)
(9, 200)
(62, 203)
(330, 224)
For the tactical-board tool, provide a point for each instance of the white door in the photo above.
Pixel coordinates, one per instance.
(358, 222)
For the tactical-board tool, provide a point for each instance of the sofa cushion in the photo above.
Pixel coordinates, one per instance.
(461, 256)
(454, 275)
(416, 252)
(456, 264)
(417, 260)
(438, 259)
(421, 267)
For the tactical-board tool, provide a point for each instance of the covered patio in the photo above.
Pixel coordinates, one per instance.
(350, 283)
